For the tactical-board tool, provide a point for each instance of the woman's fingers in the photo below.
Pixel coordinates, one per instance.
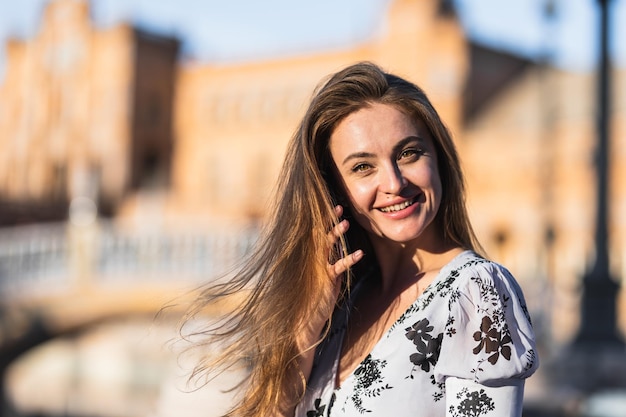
(334, 235)
(343, 264)
(339, 229)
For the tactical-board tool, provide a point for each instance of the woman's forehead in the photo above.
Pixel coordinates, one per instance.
(378, 124)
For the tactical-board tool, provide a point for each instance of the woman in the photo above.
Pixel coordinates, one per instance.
(366, 293)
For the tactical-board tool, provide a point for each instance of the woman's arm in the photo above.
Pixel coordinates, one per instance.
(489, 345)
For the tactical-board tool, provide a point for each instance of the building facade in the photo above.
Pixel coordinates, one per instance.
(84, 112)
(158, 143)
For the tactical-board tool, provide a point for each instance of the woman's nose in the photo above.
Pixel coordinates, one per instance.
(393, 180)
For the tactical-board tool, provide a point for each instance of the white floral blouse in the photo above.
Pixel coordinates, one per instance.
(463, 348)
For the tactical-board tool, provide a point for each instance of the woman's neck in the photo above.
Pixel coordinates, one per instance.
(403, 264)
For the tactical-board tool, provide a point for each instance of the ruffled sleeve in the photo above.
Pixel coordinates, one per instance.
(488, 347)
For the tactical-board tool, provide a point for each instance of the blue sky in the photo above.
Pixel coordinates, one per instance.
(239, 30)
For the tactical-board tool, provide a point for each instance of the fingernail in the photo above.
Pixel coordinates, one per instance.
(358, 254)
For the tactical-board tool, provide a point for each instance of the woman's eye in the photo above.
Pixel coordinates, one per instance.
(361, 168)
(409, 153)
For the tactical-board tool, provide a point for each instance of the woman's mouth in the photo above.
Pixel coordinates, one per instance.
(397, 207)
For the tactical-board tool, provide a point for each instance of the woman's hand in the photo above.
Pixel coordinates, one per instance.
(337, 269)
(328, 299)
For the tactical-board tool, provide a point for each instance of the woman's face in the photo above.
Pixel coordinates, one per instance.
(387, 164)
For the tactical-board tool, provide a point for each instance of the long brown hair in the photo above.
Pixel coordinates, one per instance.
(286, 274)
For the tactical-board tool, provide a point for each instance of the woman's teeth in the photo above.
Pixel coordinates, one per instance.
(396, 207)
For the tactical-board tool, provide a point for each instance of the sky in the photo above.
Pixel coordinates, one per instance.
(220, 31)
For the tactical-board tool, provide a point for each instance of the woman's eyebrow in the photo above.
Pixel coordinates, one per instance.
(357, 155)
(409, 139)
(397, 147)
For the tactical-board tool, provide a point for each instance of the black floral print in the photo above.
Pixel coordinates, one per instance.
(427, 346)
(427, 355)
(473, 404)
(440, 389)
(439, 356)
(319, 409)
(450, 329)
(493, 341)
(369, 381)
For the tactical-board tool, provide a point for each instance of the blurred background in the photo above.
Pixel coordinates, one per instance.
(140, 142)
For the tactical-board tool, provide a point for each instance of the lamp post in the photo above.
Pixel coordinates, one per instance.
(598, 323)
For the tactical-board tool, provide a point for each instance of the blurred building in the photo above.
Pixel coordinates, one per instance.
(115, 116)
(85, 113)
(530, 157)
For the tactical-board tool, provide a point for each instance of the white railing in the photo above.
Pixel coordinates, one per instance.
(187, 256)
(53, 257)
(32, 258)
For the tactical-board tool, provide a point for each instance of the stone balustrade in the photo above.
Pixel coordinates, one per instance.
(55, 257)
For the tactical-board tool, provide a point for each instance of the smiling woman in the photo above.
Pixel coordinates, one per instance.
(388, 168)
(367, 293)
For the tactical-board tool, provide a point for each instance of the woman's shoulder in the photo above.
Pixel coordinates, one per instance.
(466, 260)
(481, 281)
(489, 315)
(469, 264)
(471, 273)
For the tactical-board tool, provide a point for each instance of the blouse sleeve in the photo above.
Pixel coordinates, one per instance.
(469, 398)
(488, 347)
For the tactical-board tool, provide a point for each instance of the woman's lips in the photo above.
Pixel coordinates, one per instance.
(398, 207)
